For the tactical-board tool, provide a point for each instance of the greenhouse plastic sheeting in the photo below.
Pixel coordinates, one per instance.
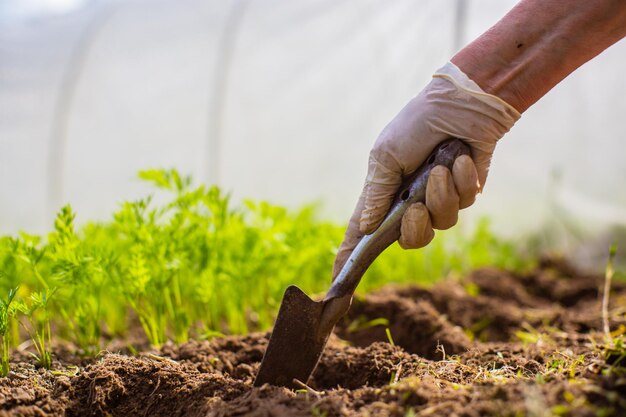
(275, 100)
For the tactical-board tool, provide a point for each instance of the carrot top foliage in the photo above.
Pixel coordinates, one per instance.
(194, 266)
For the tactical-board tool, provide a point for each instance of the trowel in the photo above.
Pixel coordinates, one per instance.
(303, 326)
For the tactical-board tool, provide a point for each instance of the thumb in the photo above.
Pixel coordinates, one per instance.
(381, 185)
(481, 156)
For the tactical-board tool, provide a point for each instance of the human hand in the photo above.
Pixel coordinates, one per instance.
(451, 105)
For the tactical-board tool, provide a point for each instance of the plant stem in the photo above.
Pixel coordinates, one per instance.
(608, 277)
(4, 366)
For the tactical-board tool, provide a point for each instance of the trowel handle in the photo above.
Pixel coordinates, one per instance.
(413, 190)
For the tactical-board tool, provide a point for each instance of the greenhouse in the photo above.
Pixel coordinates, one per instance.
(170, 169)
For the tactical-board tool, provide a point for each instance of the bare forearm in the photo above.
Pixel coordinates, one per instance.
(539, 43)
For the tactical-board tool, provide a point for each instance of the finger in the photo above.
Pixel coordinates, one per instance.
(465, 180)
(442, 199)
(482, 160)
(381, 186)
(416, 230)
(351, 238)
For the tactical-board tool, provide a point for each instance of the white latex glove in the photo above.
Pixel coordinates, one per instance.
(451, 105)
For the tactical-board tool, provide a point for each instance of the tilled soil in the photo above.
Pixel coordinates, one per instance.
(492, 344)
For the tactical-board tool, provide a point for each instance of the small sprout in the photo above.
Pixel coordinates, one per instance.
(161, 358)
(615, 356)
(389, 338)
(410, 413)
(132, 349)
(317, 412)
(561, 410)
(472, 289)
(8, 311)
(72, 371)
(38, 315)
(442, 349)
(395, 375)
(608, 277)
(361, 323)
(308, 389)
(568, 396)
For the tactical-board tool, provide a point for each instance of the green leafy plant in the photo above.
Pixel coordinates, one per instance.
(37, 312)
(79, 271)
(614, 354)
(198, 264)
(7, 314)
(188, 262)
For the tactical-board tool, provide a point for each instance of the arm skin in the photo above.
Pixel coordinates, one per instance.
(539, 43)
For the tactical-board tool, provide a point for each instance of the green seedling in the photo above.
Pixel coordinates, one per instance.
(188, 262)
(608, 277)
(472, 289)
(530, 335)
(389, 338)
(28, 250)
(317, 412)
(562, 364)
(71, 372)
(361, 323)
(38, 316)
(614, 355)
(79, 272)
(479, 329)
(7, 314)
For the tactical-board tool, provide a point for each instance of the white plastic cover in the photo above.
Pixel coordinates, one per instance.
(273, 99)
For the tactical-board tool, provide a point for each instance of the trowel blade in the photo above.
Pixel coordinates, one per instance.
(295, 345)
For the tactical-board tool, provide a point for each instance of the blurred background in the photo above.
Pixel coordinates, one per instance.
(279, 100)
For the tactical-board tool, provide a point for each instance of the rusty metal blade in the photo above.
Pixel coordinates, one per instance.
(295, 345)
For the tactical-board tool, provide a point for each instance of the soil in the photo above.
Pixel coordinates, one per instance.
(492, 344)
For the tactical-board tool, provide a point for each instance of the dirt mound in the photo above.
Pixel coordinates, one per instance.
(493, 343)
(29, 392)
(414, 324)
(489, 305)
(375, 366)
(122, 385)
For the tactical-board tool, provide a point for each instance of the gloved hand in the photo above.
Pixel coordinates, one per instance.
(451, 105)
